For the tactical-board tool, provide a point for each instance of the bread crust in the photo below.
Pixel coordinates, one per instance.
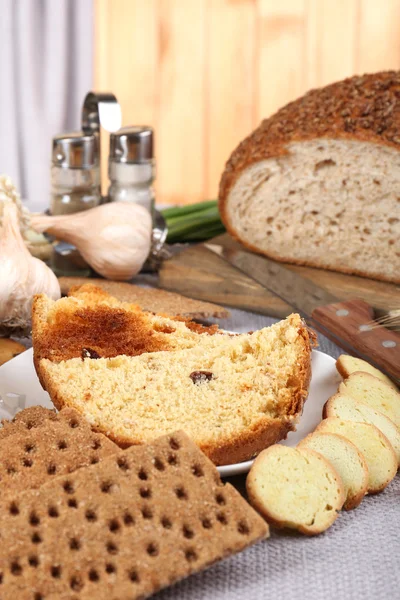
(274, 519)
(362, 108)
(246, 444)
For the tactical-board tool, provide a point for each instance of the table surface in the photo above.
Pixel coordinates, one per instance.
(357, 558)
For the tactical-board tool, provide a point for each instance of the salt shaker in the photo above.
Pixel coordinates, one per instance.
(131, 166)
(75, 186)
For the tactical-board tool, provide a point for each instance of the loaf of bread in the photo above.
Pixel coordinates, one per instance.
(295, 488)
(345, 407)
(318, 182)
(233, 395)
(346, 459)
(373, 445)
(346, 365)
(367, 388)
(9, 349)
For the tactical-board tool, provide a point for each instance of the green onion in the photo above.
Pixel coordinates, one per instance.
(196, 222)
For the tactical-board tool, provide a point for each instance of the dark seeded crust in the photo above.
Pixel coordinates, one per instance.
(362, 108)
(245, 444)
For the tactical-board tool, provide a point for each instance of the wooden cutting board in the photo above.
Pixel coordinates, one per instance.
(199, 273)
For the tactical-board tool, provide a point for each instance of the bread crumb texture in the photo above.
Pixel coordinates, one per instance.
(375, 447)
(373, 391)
(346, 459)
(249, 394)
(345, 407)
(295, 488)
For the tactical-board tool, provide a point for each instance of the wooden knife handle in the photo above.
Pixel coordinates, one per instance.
(348, 324)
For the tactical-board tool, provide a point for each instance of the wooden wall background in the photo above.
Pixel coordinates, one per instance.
(205, 72)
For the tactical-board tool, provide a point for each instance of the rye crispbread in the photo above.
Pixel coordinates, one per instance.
(124, 528)
(40, 445)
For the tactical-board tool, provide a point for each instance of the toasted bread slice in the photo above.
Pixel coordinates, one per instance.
(93, 323)
(295, 488)
(373, 391)
(373, 445)
(346, 459)
(345, 407)
(234, 395)
(346, 365)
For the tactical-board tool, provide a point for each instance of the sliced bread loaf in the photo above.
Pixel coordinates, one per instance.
(93, 323)
(345, 407)
(373, 391)
(346, 459)
(373, 445)
(346, 365)
(318, 182)
(295, 488)
(233, 395)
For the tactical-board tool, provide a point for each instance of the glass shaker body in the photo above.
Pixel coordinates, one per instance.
(74, 190)
(132, 182)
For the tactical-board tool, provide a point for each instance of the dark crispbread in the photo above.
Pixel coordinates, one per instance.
(124, 528)
(41, 444)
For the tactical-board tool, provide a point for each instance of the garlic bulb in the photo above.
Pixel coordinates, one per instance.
(21, 276)
(114, 238)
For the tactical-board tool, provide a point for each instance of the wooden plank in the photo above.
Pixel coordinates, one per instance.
(331, 41)
(230, 82)
(281, 54)
(379, 36)
(126, 61)
(181, 119)
(201, 274)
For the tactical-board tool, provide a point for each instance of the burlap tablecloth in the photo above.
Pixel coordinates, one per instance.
(358, 558)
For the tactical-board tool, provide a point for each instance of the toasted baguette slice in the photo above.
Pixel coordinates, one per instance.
(295, 488)
(346, 365)
(373, 391)
(345, 407)
(346, 459)
(373, 445)
(234, 395)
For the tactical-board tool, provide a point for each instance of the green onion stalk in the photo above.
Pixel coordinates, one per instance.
(193, 223)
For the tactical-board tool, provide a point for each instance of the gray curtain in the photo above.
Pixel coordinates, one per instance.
(46, 56)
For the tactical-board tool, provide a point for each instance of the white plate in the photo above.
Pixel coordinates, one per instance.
(20, 388)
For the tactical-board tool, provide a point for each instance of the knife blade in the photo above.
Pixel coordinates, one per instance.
(347, 323)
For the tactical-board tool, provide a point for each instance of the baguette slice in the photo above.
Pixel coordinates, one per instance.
(346, 365)
(345, 407)
(295, 488)
(346, 459)
(318, 182)
(233, 395)
(375, 447)
(373, 391)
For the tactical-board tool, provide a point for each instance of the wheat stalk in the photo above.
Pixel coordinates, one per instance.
(390, 321)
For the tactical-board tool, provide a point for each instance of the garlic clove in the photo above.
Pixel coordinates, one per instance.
(21, 276)
(114, 239)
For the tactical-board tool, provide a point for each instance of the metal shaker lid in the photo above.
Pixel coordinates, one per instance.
(75, 150)
(132, 145)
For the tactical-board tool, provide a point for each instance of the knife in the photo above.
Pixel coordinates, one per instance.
(346, 323)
